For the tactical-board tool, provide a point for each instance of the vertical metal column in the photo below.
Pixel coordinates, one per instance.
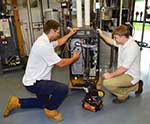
(132, 14)
(30, 22)
(48, 4)
(120, 13)
(143, 27)
(98, 14)
(79, 13)
(1, 6)
(41, 7)
(70, 12)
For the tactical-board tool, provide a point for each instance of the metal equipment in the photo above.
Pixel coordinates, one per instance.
(85, 70)
(9, 51)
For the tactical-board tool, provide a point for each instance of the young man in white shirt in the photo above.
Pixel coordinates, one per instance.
(37, 77)
(126, 77)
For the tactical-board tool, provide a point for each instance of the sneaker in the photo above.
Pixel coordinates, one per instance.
(53, 114)
(12, 104)
(140, 88)
(113, 94)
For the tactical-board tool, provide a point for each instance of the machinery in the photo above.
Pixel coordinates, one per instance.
(11, 40)
(84, 73)
(9, 52)
(85, 70)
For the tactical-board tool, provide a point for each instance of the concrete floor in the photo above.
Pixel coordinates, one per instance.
(135, 111)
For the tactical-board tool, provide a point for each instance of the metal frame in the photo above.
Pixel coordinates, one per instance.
(85, 78)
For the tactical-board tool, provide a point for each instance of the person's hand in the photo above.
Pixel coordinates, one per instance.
(99, 31)
(76, 55)
(107, 75)
(73, 30)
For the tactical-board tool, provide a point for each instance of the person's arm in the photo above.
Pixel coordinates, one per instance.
(121, 70)
(68, 61)
(63, 39)
(106, 38)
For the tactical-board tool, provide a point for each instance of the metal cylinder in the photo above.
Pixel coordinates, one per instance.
(87, 12)
(30, 22)
(79, 12)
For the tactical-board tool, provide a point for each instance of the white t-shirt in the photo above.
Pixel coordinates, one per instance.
(129, 56)
(41, 60)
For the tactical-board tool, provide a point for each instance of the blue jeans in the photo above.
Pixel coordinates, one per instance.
(50, 95)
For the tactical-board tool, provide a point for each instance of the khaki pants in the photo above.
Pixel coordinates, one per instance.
(120, 86)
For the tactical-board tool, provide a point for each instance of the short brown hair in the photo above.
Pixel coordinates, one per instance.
(122, 30)
(51, 24)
